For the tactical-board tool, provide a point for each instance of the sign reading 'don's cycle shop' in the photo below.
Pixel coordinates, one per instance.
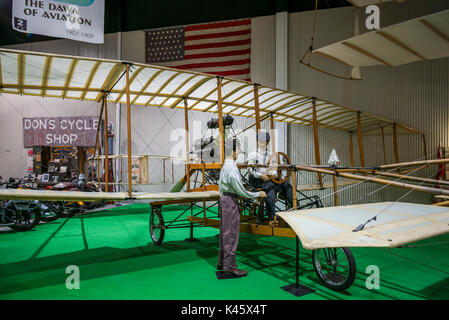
(60, 131)
(81, 20)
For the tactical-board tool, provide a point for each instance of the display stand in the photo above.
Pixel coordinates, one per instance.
(295, 288)
(191, 238)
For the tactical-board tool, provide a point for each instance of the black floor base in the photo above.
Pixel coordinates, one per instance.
(297, 290)
(221, 275)
(191, 240)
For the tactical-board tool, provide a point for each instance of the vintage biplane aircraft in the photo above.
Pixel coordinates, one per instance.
(328, 234)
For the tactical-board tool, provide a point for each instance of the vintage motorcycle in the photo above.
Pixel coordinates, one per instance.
(19, 215)
(70, 208)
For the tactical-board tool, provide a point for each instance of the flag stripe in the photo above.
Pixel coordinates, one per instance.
(217, 45)
(208, 60)
(209, 50)
(214, 40)
(231, 72)
(218, 25)
(216, 54)
(219, 70)
(214, 64)
(217, 35)
(218, 30)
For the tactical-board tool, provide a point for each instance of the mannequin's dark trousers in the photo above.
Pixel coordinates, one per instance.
(229, 231)
(271, 189)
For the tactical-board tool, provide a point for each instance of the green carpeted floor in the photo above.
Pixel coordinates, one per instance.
(117, 260)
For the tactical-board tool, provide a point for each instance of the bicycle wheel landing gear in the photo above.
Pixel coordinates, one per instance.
(157, 227)
(335, 267)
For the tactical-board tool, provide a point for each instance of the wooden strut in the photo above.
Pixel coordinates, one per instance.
(220, 119)
(128, 112)
(383, 167)
(97, 140)
(413, 163)
(360, 137)
(425, 146)
(273, 140)
(106, 147)
(316, 140)
(295, 202)
(328, 73)
(395, 143)
(204, 189)
(351, 150)
(336, 172)
(411, 178)
(186, 124)
(335, 185)
(442, 204)
(256, 107)
(376, 180)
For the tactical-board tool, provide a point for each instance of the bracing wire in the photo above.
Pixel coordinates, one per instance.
(362, 226)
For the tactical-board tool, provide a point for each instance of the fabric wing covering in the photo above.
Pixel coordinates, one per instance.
(81, 78)
(12, 194)
(423, 38)
(398, 224)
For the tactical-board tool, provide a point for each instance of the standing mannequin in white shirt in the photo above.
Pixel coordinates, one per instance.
(259, 177)
(231, 187)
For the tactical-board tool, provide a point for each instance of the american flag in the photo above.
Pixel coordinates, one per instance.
(219, 48)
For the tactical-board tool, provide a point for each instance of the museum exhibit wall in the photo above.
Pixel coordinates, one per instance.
(415, 94)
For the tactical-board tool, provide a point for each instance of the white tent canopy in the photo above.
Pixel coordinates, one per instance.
(71, 77)
(397, 224)
(423, 38)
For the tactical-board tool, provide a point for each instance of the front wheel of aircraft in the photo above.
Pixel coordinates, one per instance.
(157, 228)
(335, 267)
(24, 214)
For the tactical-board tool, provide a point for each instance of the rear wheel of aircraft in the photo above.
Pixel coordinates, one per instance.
(335, 267)
(157, 227)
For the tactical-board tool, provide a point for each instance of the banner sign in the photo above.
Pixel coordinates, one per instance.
(61, 131)
(81, 20)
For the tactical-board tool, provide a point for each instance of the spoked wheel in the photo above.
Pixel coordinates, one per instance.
(157, 228)
(25, 214)
(335, 267)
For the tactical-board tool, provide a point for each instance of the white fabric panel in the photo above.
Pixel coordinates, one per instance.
(396, 224)
(414, 34)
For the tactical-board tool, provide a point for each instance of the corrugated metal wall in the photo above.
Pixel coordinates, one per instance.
(415, 95)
